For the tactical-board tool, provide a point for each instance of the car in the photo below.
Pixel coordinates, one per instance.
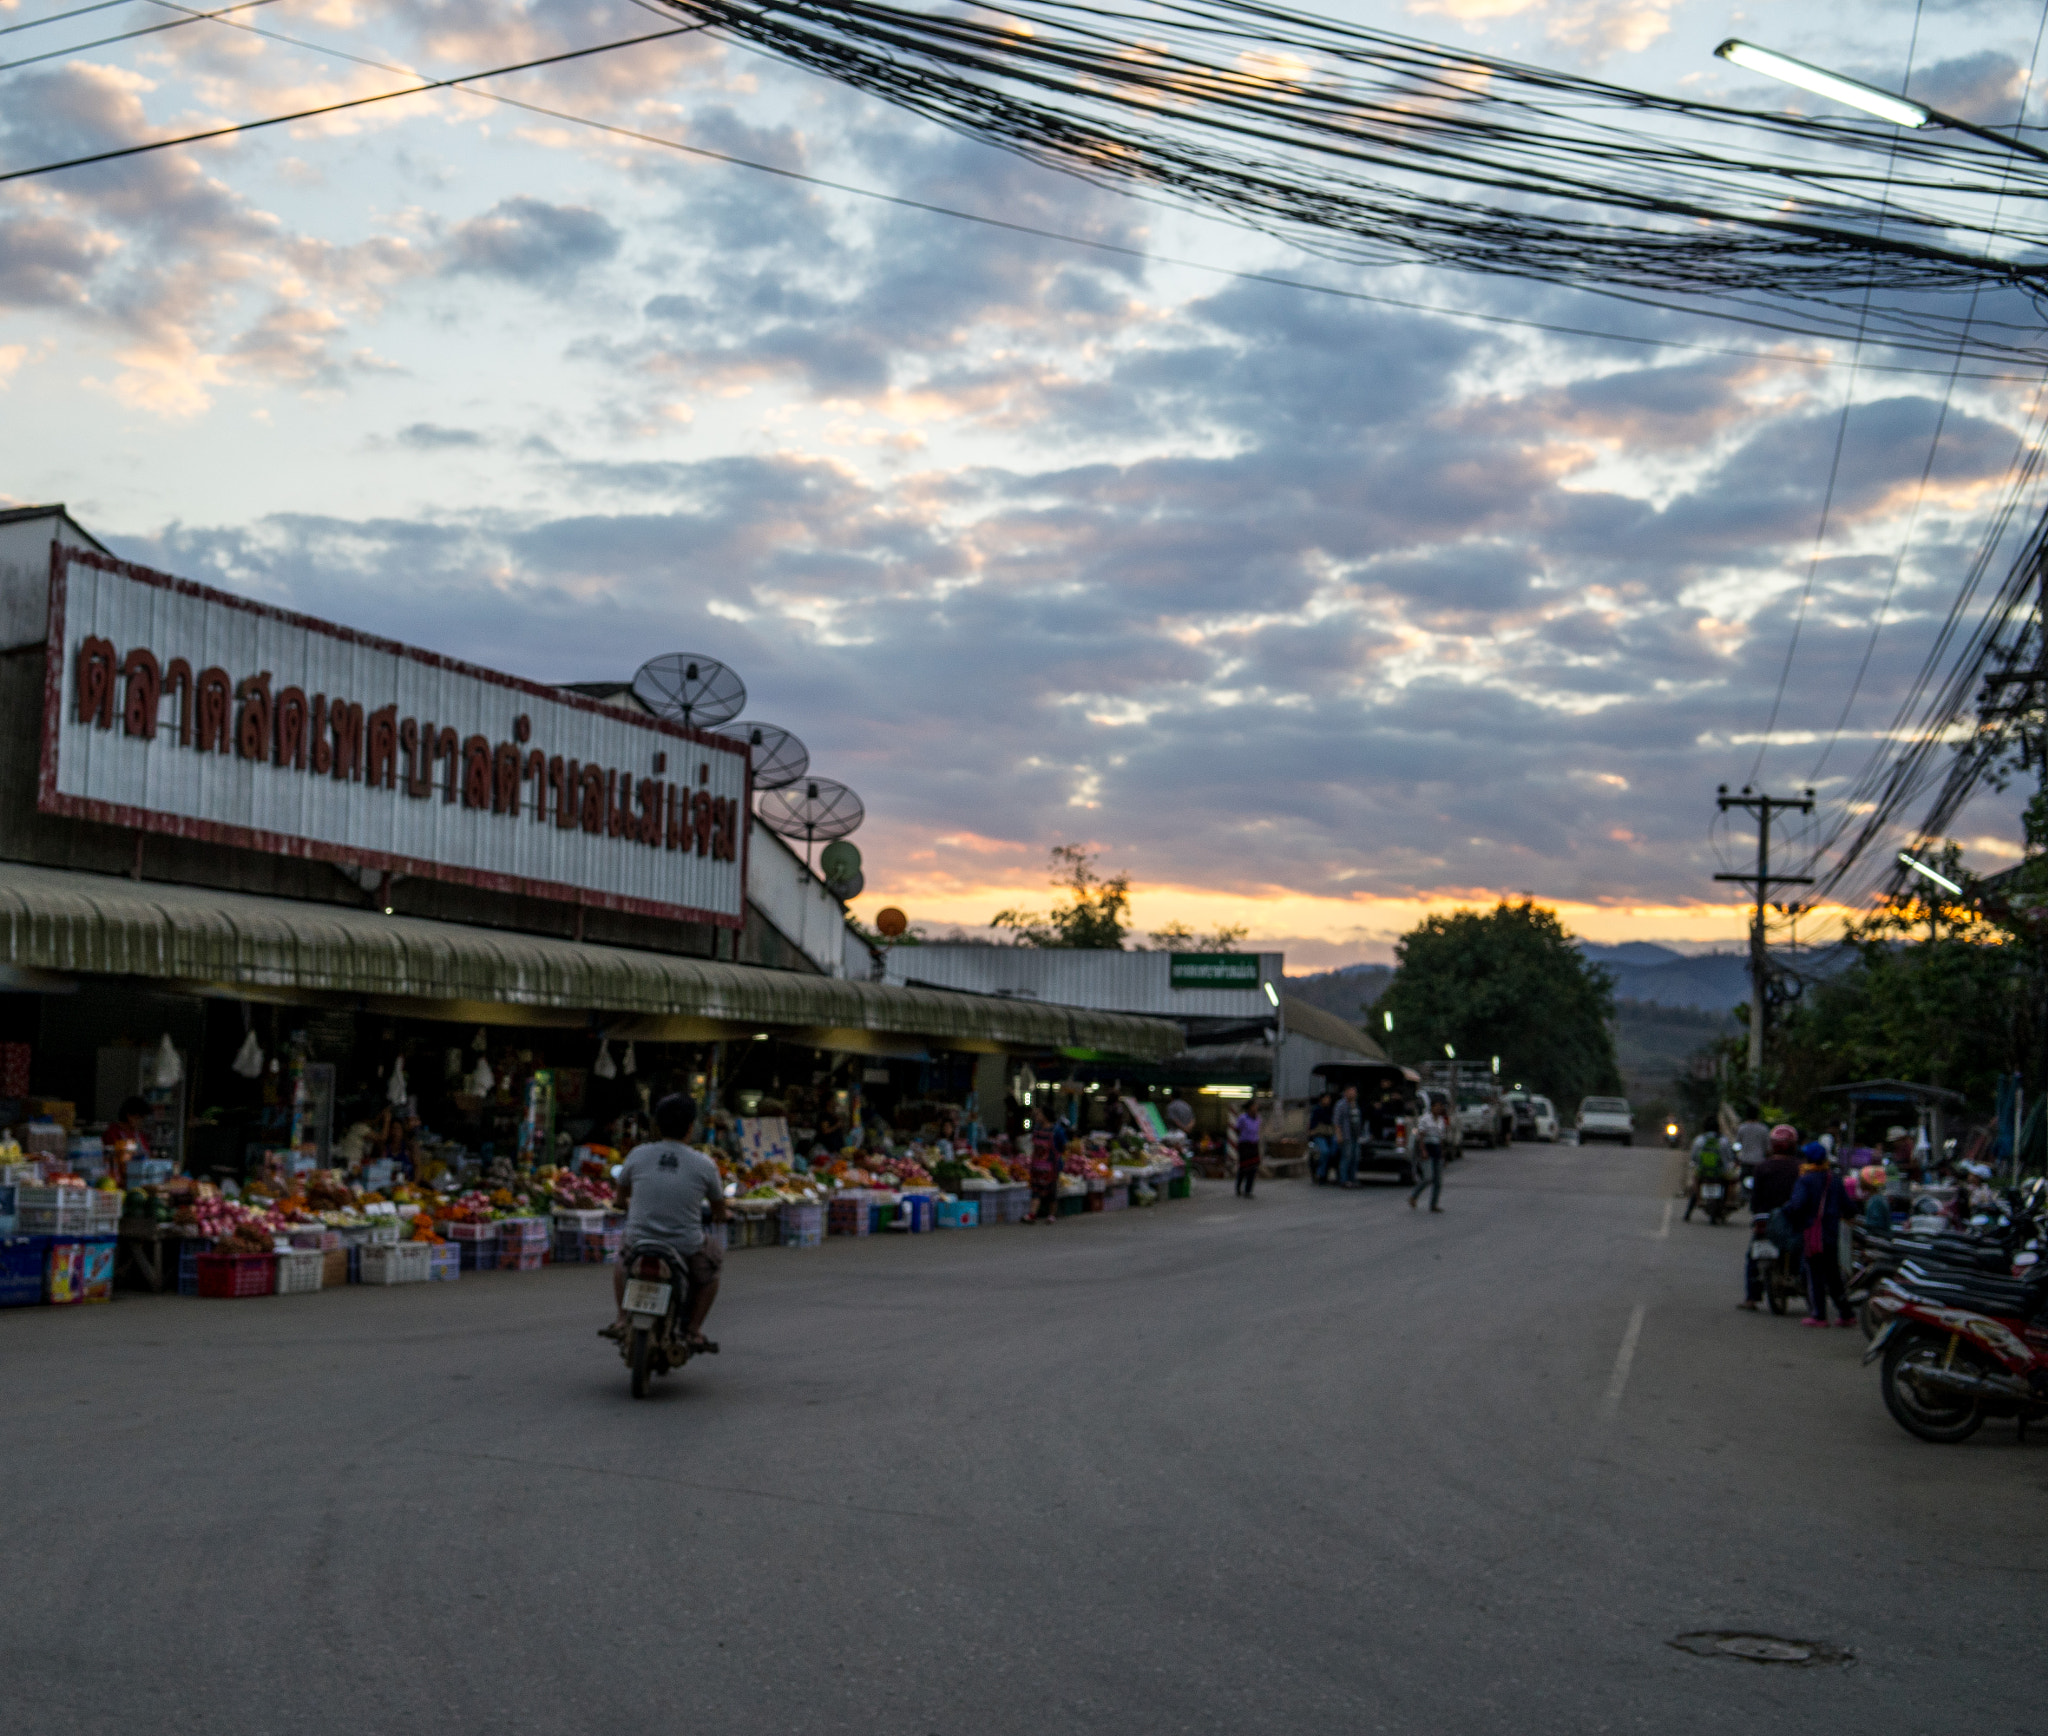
(1606, 1118)
(1542, 1120)
(1483, 1117)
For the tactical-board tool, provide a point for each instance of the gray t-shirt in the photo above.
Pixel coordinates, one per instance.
(672, 1184)
(1752, 1142)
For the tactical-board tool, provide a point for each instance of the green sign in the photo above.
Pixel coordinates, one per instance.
(1215, 970)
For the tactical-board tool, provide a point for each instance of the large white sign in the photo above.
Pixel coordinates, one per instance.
(175, 708)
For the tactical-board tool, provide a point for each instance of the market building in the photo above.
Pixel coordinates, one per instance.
(336, 876)
(1246, 1038)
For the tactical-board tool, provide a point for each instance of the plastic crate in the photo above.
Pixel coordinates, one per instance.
(1180, 1187)
(301, 1272)
(801, 1224)
(1117, 1197)
(523, 1233)
(602, 1247)
(334, 1268)
(847, 1216)
(1017, 1202)
(381, 1234)
(567, 1248)
(21, 1270)
(521, 1259)
(1073, 1205)
(957, 1215)
(189, 1251)
(318, 1241)
(477, 1256)
(471, 1232)
(444, 1263)
(234, 1276)
(394, 1263)
(580, 1221)
(103, 1211)
(914, 1212)
(56, 1211)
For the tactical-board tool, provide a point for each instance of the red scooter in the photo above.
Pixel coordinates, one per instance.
(1950, 1360)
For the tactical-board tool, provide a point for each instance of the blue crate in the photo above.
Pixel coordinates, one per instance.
(958, 1215)
(21, 1270)
(189, 1251)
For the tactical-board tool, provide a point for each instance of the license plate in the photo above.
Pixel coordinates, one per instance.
(1712, 1191)
(643, 1296)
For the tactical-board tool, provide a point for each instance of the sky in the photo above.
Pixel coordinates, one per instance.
(1313, 615)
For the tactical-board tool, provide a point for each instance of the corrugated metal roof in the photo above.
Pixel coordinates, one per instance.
(51, 919)
(1306, 1019)
(1125, 982)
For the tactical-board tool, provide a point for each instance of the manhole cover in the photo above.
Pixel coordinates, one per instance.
(1759, 1648)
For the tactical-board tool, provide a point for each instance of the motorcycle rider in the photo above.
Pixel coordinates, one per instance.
(1769, 1189)
(1711, 1161)
(666, 1187)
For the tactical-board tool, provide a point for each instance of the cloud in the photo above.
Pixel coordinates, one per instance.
(532, 243)
(431, 437)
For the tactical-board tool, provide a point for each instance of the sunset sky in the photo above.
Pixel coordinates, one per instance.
(1308, 613)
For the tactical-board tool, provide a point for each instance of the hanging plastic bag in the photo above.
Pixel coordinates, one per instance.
(483, 1081)
(629, 1064)
(169, 1068)
(604, 1066)
(397, 1091)
(248, 1059)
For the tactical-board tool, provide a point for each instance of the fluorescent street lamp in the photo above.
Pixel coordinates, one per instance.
(1496, 1066)
(1899, 110)
(1832, 85)
(1272, 994)
(1927, 873)
(1389, 1017)
(1450, 1052)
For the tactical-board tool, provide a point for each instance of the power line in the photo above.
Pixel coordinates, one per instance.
(59, 17)
(124, 36)
(329, 108)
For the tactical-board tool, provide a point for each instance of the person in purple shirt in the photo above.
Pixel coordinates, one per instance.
(1245, 1129)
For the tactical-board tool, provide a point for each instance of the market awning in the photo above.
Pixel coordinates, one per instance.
(273, 948)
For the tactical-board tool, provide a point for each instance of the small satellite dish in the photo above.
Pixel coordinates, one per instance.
(779, 758)
(813, 809)
(847, 890)
(839, 860)
(891, 922)
(689, 689)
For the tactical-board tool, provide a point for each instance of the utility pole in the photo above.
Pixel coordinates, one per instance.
(1763, 806)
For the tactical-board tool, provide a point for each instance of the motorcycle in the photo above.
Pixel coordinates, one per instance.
(1715, 1192)
(657, 1303)
(1951, 1362)
(1781, 1271)
(1671, 1135)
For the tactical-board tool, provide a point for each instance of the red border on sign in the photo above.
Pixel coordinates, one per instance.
(51, 801)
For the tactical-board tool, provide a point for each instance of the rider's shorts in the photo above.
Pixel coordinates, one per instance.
(702, 1267)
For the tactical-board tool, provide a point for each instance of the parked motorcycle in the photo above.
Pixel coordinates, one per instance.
(1781, 1271)
(657, 1303)
(1950, 1362)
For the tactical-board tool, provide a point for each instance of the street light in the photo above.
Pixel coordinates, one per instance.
(1450, 1052)
(1927, 873)
(1854, 93)
(1271, 994)
(1389, 1017)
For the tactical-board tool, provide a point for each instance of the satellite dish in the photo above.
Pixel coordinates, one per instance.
(839, 862)
(779, 758)
(891, 922)
(812, 809)
(689, 689)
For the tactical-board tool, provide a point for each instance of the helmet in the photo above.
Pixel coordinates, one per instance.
(1784, 1137)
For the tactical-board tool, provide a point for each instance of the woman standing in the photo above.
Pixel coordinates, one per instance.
(1246, 1132)
(1045, 1180)
(1815, 1209)
(1429, 1137)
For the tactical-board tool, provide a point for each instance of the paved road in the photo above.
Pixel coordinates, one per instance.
(1309, 1463)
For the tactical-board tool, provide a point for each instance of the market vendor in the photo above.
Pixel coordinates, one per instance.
(127, 1136)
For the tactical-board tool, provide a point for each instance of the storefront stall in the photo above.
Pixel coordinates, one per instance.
(297, 914)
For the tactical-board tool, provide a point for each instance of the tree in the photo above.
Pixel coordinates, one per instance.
(1506, 982)
(1178, 937)
(1095, 917)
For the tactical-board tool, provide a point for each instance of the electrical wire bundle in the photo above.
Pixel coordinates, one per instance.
(1373, 148)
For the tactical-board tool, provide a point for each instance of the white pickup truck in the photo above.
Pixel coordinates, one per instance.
(1606, 1118)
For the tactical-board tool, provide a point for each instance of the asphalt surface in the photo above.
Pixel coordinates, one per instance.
(1312, 1462)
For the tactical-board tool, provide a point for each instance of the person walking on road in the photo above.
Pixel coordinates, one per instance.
(1349, 1122)
(1752, 1140)
(1246, 1131)
(1045, 1181)
(1816, 1208)
(1429, 1135)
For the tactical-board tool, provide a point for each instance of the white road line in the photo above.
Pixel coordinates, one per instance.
(1624, 1360)
(1663, 1230)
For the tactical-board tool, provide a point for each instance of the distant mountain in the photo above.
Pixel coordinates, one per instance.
(1711, 981)
(1347, 992)
(1630, 952)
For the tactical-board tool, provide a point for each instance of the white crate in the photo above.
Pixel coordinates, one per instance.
(584, 1223)
(383, 1233)
(63, 1210)
(395, 1262)
(299, 1271)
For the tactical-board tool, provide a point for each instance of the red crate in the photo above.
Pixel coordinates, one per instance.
(521, 1259)
(236, 1275)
